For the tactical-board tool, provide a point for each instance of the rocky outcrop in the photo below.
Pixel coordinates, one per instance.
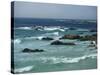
(70, 36)
(81, 38)
(88, 38)
(57, 42)
(47, 38)
(27, 50)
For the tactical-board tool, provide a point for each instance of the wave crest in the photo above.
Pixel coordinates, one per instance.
(24, 28)
(55, 60)
(17, 41)
(53, 28)
(24, 69)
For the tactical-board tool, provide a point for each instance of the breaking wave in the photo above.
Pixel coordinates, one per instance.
(52, 33)
(41, 28)
(17, 41)
(55, 60)
(53, 28)
(24, 28)
(33, 37)
(24, 69)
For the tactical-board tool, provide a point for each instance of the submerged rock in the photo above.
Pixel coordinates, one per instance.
(47, 38)
(27, 50)
(57, 42)
(93, 30)
(71, 36)
(72, 28)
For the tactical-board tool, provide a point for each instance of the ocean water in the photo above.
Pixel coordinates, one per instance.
(54, 58)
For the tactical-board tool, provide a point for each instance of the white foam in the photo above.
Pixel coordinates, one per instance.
(17, 41)
(32, 37)
(51, 34)
(50, 28)
(62, 30)
(55, 33)
(55, 60)
(53, 28)
(24, 69)
(40, 37)
(24, 28)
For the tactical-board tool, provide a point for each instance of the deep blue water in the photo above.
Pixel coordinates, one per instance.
(22, 22)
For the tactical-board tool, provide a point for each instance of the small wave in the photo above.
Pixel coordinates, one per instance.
(17, 41)
(55, 60)
(24, 28)
(24, 69)
(51, 33)
(33, 37)
(53, 28)
(82, 30)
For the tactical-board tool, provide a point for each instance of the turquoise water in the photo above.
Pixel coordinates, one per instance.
(55, 58)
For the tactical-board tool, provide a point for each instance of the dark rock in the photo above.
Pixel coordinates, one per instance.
(72, 28)
(57, 42)
(70, 36)
(91, 45)
(93, 30)
(88, 38)
(81, 38)
(47, 38)
(27, 50)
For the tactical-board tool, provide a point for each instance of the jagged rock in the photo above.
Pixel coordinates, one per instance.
(27, 50)
(57, 42)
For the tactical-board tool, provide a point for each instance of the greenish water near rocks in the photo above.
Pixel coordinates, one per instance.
(55, 57)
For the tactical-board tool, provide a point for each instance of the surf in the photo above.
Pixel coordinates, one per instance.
(56, 60)
(24, 69)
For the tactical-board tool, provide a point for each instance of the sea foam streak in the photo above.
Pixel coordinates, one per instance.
(53, 28)
(33, 37)
(24, 28)
(24, 69)
(55, 60)
(51, 33)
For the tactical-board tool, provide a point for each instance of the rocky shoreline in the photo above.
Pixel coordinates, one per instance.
(91, 38)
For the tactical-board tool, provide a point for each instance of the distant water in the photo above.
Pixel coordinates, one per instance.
(55, 58)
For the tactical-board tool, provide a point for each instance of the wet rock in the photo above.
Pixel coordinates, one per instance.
(47, 38)
(88, 38)
(27, 50)
(57, 42)
(71, 36)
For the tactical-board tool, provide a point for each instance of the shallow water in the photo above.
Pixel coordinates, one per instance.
(55, 58)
